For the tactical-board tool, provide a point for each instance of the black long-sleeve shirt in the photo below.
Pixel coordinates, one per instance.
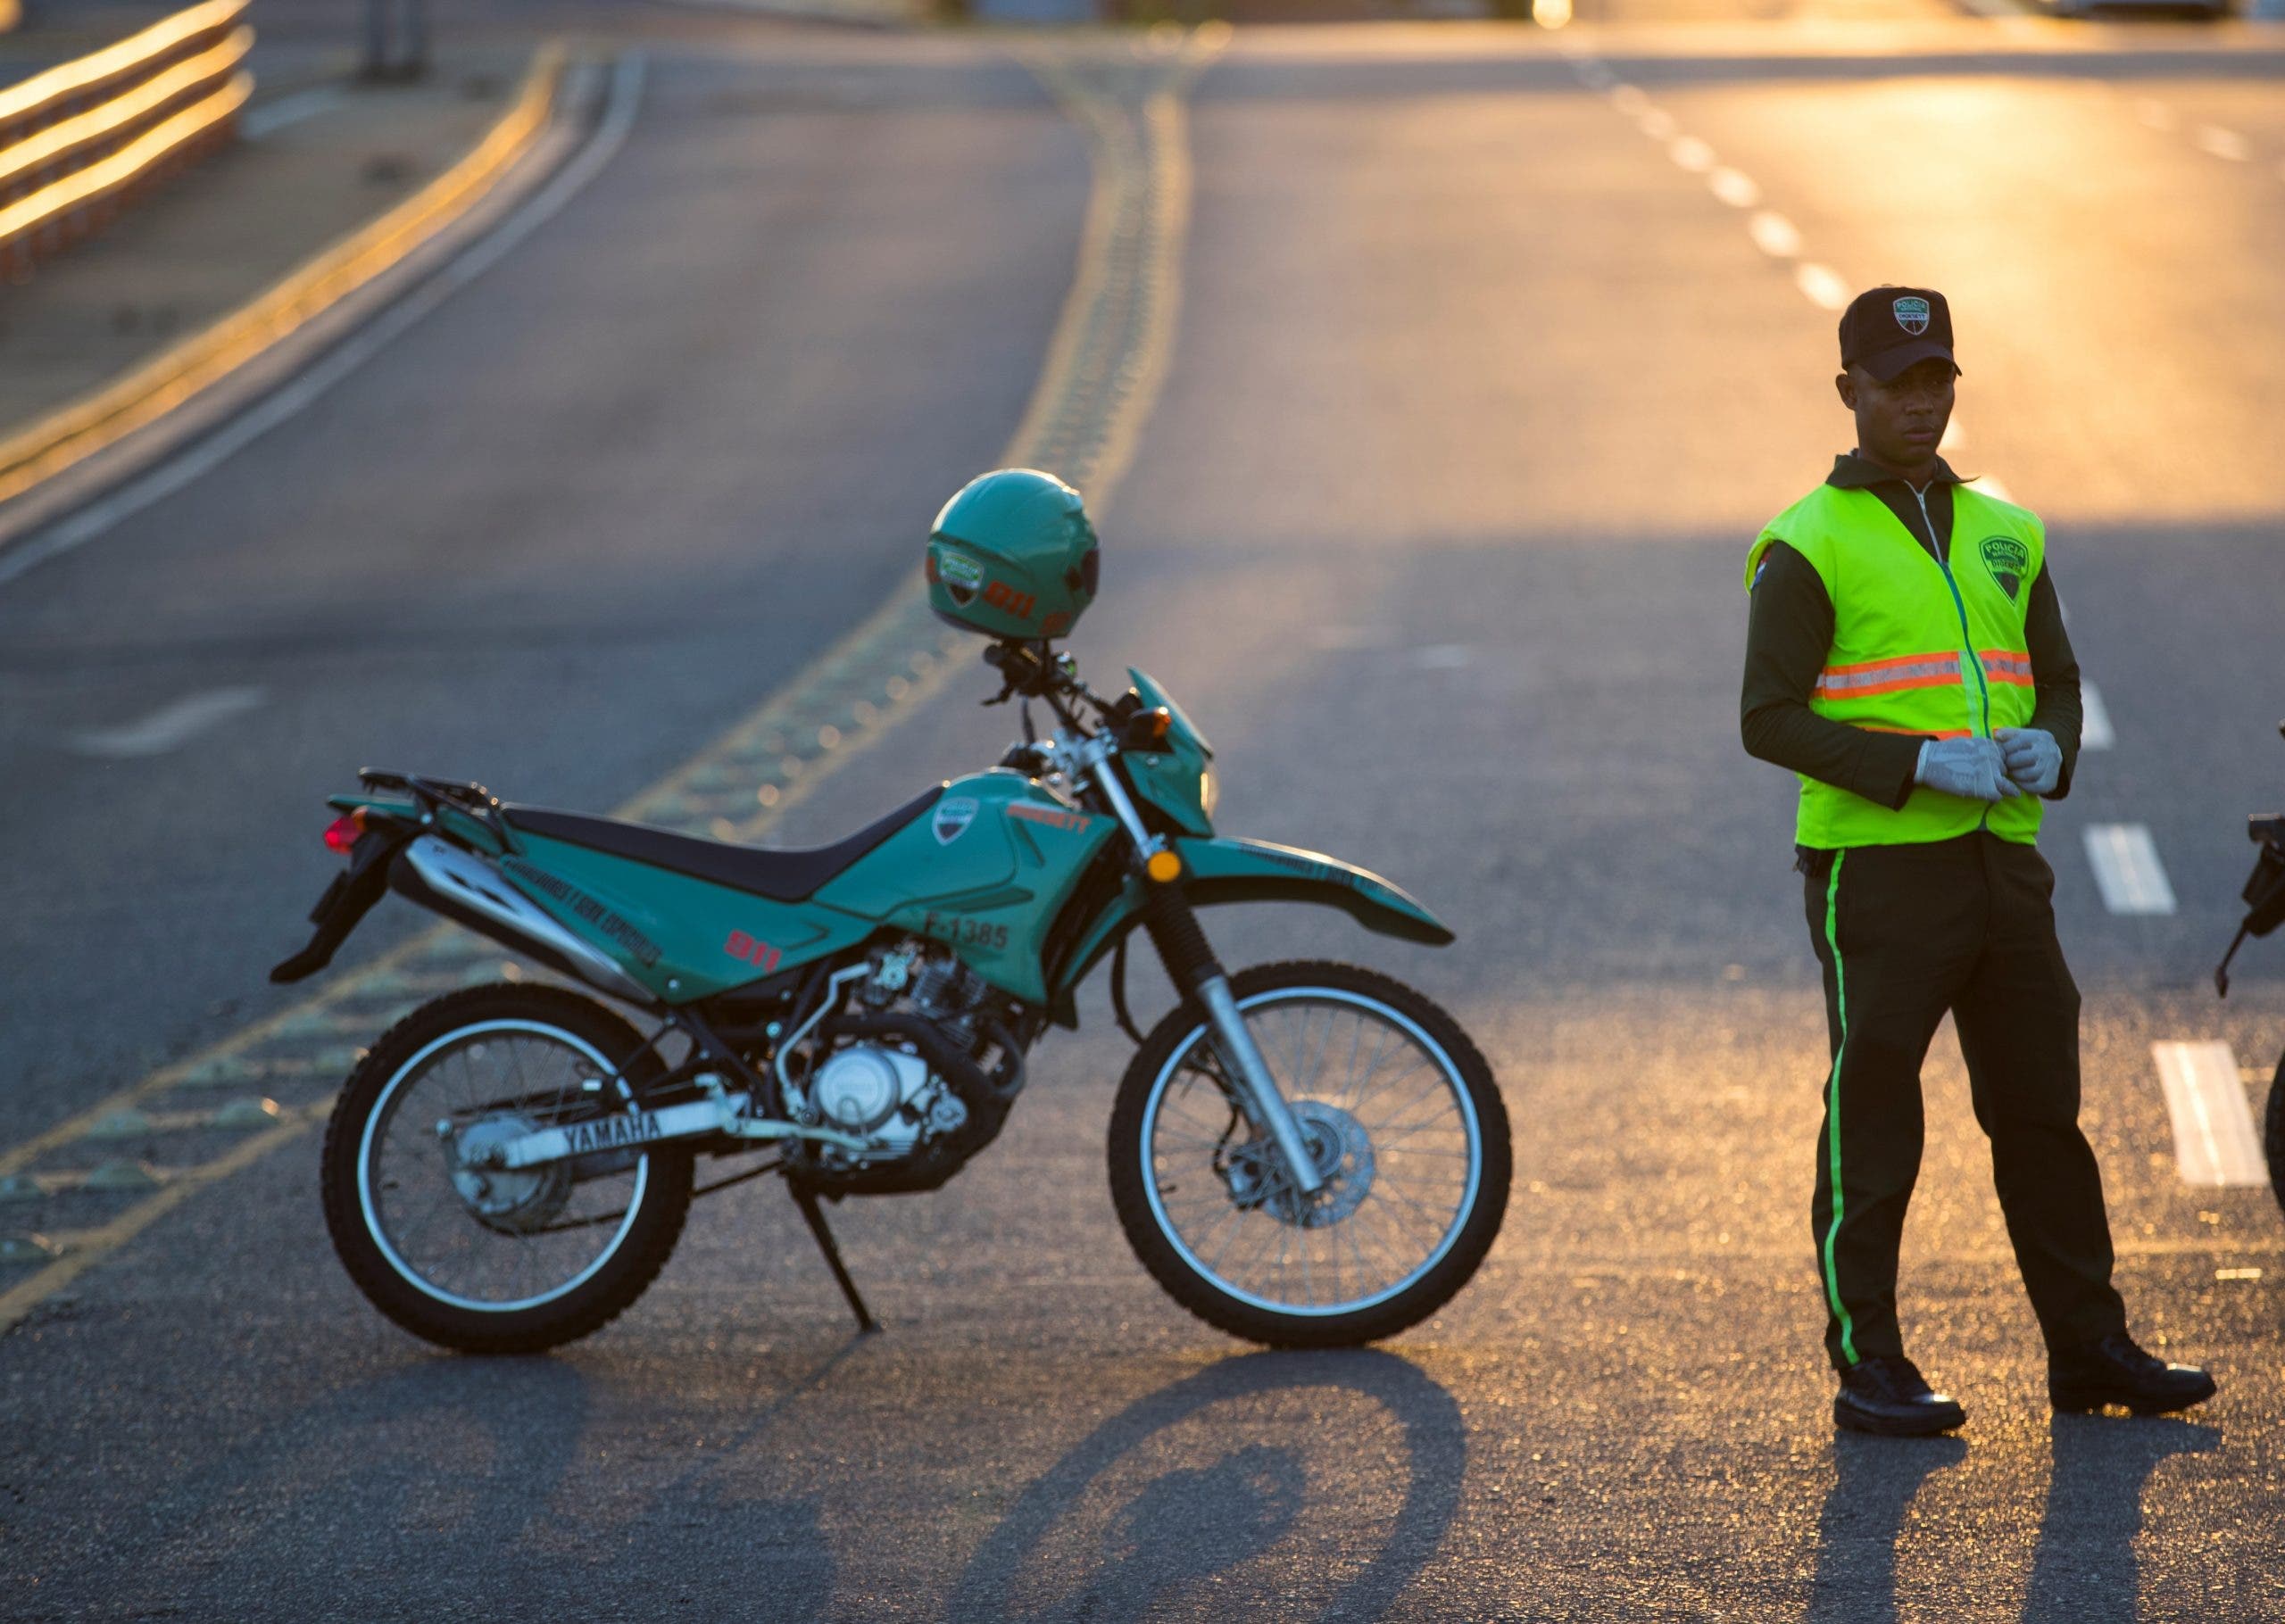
(1789, 636)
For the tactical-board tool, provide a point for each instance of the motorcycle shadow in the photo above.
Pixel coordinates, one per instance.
(450, 1484)
(1217, 1486)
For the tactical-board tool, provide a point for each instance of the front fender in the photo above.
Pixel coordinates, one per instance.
(1224, 870)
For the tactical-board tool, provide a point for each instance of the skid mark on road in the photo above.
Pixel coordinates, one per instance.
(1104, 366)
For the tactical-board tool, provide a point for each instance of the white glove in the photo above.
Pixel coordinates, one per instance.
(1974, 769)
(2035, 759)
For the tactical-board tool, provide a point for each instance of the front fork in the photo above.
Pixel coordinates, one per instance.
(1182, 949)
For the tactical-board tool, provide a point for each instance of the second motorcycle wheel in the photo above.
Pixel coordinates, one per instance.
(450, 1244)
(2273, 1135)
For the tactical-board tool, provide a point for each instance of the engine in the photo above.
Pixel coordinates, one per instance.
(902, 1065)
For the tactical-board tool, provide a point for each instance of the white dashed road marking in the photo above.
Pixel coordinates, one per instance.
(1774, 234)
(2127, 869)
(1735, 187)
(2214, 1143)
(169, 727)
(2224, 142)
(2094, 724)
(1692, 154)
(1823, 283)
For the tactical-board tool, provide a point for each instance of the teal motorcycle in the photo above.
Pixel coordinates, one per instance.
(1301, 1154)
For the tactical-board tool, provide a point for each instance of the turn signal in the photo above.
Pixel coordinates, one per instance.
(341, 834)
(1148, 729)
(1163, 867)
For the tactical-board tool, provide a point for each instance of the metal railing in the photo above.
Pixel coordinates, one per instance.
(78, 140)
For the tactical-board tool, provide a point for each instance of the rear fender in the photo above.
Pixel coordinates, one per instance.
(1220, 870)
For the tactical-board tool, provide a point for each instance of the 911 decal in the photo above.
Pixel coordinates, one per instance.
(760, 955)
(1000, 595)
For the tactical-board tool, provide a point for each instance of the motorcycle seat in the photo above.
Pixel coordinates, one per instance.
(781, 875)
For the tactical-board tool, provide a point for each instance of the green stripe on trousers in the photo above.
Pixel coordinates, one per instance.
(1832, 1109)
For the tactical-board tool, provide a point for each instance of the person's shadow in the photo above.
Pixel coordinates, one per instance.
(2085, 1569)
(1191, 1525)
(1873, 1484)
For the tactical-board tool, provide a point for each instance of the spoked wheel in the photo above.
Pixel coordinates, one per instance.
(1404, 1121)
(471, 1256)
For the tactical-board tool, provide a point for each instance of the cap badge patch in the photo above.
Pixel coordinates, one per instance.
(1912, 315)
(952, 818)
(2006, 559)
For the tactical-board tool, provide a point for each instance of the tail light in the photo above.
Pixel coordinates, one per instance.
(341, 834)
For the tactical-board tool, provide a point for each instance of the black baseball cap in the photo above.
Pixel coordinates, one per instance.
(1886, 329)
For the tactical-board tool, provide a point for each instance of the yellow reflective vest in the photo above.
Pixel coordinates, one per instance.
(1918, 647)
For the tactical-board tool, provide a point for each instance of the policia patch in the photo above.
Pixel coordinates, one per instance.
(2006, 559)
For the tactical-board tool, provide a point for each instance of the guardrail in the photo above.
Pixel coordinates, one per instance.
(77, 141)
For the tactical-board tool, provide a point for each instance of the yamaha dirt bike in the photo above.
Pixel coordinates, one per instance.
(2265, 899)
(1301, 1154)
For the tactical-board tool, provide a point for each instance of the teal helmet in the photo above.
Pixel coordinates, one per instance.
(1014, 556)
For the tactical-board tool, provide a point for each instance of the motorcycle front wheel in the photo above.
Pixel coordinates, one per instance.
(469, 1255)
(1406, 1124)
(2273, 1138)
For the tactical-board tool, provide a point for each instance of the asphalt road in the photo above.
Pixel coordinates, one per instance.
(1478, 394)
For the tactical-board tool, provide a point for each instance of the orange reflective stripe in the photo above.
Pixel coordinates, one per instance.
(2004, 666)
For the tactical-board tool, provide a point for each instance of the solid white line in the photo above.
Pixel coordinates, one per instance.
(313, 383)
(271, 117)
(1823, 285)
(169, 727)
(2127, 869)
(2094, 723)
(1692, 154)
(2214, 1143)
(1733, 187)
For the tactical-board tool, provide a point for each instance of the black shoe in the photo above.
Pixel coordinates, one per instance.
(2114, 1371)
(1887, 1395)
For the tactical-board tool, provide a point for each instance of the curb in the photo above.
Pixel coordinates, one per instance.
(32, 458)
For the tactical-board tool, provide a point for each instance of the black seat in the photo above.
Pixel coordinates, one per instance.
(783, 876)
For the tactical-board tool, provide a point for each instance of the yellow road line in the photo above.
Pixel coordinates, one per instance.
(1105, 363)
(76, 432)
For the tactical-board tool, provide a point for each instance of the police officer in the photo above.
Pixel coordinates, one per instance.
(1907, 658)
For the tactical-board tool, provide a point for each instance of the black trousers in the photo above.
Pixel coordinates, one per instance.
(1904, 934)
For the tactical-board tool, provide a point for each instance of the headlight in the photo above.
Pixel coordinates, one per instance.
(1209, 793)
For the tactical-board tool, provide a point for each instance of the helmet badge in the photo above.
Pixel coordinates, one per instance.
(960, 573)
(1912, 315)
(952, 818)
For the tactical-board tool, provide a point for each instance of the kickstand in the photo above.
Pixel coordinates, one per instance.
(806, 1199)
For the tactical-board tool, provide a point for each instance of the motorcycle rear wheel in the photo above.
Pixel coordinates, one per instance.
(486, 1261)
(1412, 1139)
